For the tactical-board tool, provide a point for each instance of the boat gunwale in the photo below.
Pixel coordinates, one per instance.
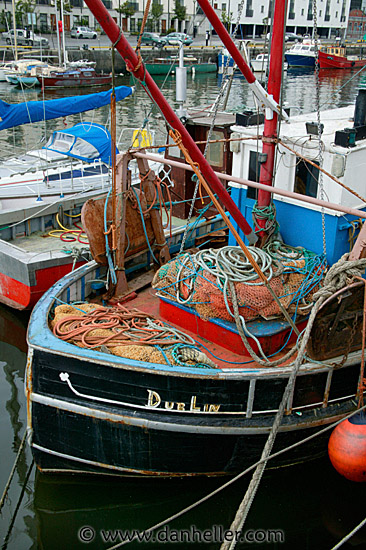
(44, 340)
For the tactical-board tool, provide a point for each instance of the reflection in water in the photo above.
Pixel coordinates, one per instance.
(298, 501)
(310, 503)
(12, 428)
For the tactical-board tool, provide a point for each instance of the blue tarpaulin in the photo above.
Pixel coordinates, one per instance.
(74, 142)
(34, 111)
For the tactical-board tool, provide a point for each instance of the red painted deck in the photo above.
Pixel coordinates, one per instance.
(226, 345)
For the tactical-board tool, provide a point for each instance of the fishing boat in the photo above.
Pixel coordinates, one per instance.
(335, 57)
(75, 77)
(46, 183)
(165, 65)
(301, 55)
(188, 377)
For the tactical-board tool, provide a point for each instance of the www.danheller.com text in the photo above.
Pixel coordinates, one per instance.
(217, 533)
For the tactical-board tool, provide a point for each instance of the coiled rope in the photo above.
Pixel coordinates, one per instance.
(127, 328)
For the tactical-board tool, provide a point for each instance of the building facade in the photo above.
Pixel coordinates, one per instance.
(332, 17)
(254, 21)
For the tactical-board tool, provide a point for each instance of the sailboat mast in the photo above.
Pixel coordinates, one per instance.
(15, 31)
(135, 65)
(63, 33)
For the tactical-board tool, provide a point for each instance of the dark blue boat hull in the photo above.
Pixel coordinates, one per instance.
(299, 60)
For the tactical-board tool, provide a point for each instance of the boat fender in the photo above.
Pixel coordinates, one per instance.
(352, 63)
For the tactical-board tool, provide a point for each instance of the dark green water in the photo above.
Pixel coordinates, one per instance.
(311, 505)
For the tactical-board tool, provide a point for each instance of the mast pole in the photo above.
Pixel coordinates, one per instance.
(271, 120)
(135, 65)
(270, 99)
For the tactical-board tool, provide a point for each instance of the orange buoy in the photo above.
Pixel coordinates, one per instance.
(347, 448)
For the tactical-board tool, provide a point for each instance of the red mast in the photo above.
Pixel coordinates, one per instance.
(135, 65)
(270, 100)
(274, 89)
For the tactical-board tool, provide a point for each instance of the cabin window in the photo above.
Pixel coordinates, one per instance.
(215, 151)
(306, 179)
(253, 173)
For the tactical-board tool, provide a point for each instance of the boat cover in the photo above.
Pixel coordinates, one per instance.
(87, 141)
(34, 111)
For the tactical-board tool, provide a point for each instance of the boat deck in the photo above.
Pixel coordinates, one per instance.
(220, 338)
(42, 242)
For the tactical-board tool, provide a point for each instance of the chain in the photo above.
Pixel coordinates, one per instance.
(317, 101)
(221, 93)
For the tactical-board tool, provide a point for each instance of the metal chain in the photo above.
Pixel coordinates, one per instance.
(218, 101)
(317, 101)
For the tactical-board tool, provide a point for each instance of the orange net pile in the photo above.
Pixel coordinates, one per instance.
(200, 281)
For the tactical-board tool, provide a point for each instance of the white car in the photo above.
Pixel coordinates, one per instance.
(25, 38)
(83, 32)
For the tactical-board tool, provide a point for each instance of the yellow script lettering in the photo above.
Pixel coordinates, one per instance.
(193, 404)
(154, 399)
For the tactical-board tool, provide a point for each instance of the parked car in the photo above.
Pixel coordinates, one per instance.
(292, 37)
(178, 38)
(25, 38)
(153, 39)
(83, 32)
(289, 37)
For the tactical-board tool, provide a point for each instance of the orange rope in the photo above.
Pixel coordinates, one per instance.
(128, 327)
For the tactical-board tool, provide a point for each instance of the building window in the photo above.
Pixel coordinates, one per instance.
(320, 13)
(302, 11)
(223, 7)
(249, 10)
(306, 179)
(43, 22)
(262, 9)
(336, 15)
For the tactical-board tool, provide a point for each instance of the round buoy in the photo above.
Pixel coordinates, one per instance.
(347, 448)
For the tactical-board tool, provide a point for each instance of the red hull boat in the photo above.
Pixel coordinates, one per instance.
(334, 58)
(75, 78)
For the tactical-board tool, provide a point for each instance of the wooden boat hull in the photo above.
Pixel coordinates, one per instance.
(74, 81)
(329, 61)
(92, 412)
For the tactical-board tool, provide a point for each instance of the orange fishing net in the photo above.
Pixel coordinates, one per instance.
(198, 288)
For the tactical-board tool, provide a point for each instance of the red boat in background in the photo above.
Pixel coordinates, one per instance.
(74, 78)
(334, 57)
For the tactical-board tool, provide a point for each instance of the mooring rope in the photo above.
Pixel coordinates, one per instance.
(334, 280)
(5, 492)
(234, 479)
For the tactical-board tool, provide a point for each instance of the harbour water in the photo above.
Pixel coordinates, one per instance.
(304, 507)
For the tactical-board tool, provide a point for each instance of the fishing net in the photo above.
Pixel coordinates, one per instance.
(200, 281)
(127, 333)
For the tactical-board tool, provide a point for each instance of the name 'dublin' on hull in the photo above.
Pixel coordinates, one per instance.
(154, 401)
